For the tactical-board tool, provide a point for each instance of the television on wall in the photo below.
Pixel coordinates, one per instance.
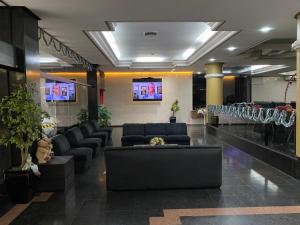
(147, 89)
(56, 91)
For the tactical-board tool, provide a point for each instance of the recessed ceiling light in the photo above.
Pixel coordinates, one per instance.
(212, 59)
(187, 53)
(199, 72)
(232, 48)
(173, 70)
(149, 59)
(48, 59)
(265, 29)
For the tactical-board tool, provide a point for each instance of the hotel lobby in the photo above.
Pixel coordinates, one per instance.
(149, 112)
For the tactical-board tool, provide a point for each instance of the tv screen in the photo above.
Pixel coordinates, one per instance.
(59, 91)
(147, 89)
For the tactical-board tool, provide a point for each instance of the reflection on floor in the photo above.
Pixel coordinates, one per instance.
(247, 182)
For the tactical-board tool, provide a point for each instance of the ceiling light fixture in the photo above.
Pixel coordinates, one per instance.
(48, 59)
(206, 35)
(212, 59)
(265, 29)
(149, 59)
(187, 53)
(231, 48)
(112, 42)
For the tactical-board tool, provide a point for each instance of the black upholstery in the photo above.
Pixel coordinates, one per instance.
(172, 133)
(76, 139)
(133, 129)
(82, 156)
(163, 167)
(97, 128)
(88, 132)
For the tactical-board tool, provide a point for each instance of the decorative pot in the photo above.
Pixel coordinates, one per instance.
(172, 119)
(19, 186)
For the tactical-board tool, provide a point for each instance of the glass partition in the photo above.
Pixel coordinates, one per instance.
(63, 101)
(270, 127)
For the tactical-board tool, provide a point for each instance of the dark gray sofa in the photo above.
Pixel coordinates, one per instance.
(163, 167)
(82, 156)
(172, 133)
(88, 131)
(77, 140)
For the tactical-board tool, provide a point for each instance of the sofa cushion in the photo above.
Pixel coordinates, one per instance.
(131, 140)
(82, 153)
(177, 139)
(176, 128)
(87, 130)
(61, 145)
(133, 129)
(74, 135)
(155, 129)
(149, 137)
(90, 142)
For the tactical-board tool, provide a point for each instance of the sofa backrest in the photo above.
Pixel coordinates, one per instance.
(61, 144)
(163, 167)
(133, 129)
(74, 135)
(95, 124)
(155, 129)
(87, 129)
(176, 129)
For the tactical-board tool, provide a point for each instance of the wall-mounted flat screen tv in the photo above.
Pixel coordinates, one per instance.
(56, 91)
(147, 89)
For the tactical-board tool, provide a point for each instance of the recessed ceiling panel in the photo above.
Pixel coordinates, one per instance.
(158, 44)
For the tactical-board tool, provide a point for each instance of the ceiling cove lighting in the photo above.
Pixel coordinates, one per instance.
(231, 48)
(48, 60)
(149, 59)
(265, 29)
(112, 42)
(206, 35)
(258, 69)
(187, 53)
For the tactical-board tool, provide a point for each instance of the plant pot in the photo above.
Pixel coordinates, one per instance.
(19, 187)
(172, 119)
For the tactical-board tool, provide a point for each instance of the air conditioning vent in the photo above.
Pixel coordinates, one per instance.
(150, 34)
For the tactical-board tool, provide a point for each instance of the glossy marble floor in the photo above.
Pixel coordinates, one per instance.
(252, 193)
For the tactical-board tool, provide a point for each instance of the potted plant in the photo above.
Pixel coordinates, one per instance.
(174, 108)
(83, 115)
(21, 127)
(104, 116)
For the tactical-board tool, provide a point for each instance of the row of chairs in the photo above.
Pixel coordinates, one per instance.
(83, 142)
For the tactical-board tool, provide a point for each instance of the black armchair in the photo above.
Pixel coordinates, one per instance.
(88, 132)
(82, 156)
(76, 139)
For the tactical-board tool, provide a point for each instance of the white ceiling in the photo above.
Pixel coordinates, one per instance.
(68, 19)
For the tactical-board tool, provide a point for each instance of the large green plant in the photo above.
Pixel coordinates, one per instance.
(175, 107)
(21, 120)
(104, 116)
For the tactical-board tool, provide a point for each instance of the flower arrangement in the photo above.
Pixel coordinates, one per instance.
(157, 141)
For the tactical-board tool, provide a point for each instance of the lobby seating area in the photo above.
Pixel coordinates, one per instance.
(139, 112)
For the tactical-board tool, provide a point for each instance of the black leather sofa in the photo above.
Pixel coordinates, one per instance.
(163, 167)
(172, 133)
(89, 132)
(82, 156)
(97, 128)
(76, 139)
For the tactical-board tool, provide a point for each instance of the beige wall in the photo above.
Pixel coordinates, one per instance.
(66, 113)
(118, 99)
(272, 89)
